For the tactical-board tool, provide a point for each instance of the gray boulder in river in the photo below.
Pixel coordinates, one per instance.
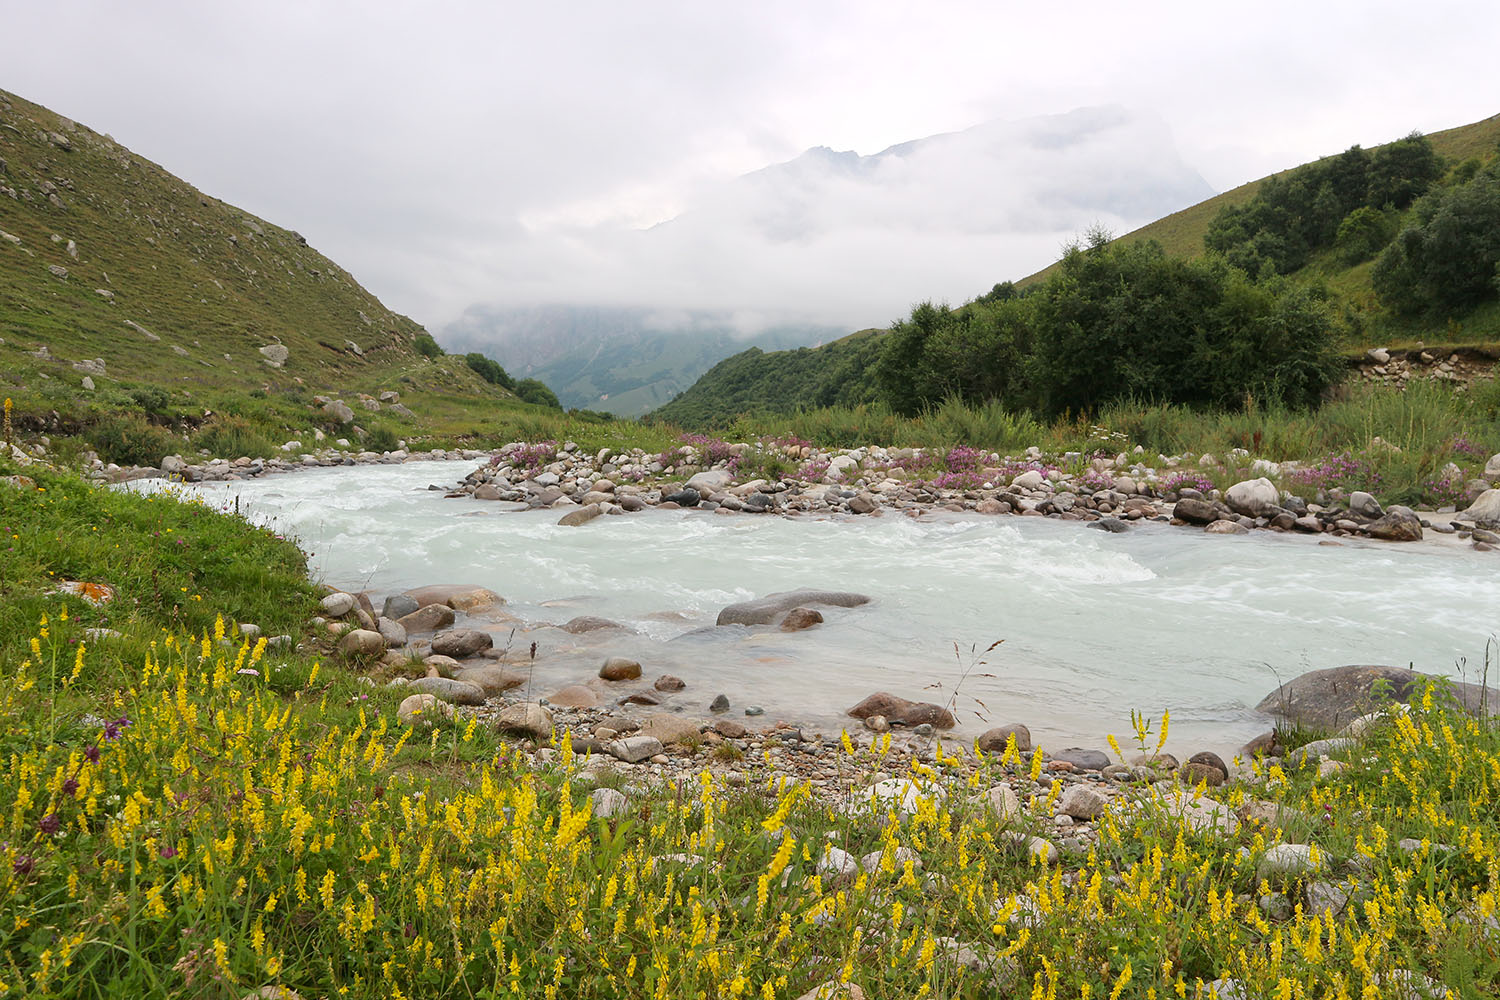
(1327, 700)
(765, 610)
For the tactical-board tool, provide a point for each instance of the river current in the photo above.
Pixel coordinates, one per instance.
(1093, 624)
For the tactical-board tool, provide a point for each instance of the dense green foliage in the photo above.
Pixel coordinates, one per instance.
(533, 391)
(1295, 214)
(779, 382)
(1448, 258)
(489, 369)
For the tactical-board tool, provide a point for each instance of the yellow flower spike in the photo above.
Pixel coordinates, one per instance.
(1166, 718)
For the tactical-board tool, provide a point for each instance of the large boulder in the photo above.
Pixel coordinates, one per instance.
(362, 643)
(456, 691)
(462, 642)
(765, 610)
(671, 729)
(620, 668)
(900, 710)
(1398, 525)
(1195, 511)
(1327, 700)
(458, 596)
(428, 618)
(583, 515)
(710, 481)
(339, 410)
(1484, 509)
(1252, 496)
(493, 680)
(526, 718)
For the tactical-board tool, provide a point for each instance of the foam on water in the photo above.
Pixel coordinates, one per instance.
(1093, 624)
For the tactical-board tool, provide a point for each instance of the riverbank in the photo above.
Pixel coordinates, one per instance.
(192, 814)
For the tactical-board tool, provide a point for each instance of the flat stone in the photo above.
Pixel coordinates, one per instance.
(633, 749)
(458, 596)
(1082, 802)
(1081, 758)
(588, 623)
(670, 729)
(493, 680)
(765, 610)
(428, 618)
(462, 642)
(583, 515)
(1195, 511)
(1226, 527)
(574, 696)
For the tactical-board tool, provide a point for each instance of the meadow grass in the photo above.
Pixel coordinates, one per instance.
(193, 814)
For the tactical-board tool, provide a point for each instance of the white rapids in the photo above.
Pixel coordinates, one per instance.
(1093, 624)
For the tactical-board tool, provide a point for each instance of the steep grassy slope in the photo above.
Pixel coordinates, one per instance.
(1181, 233)
(107, 257)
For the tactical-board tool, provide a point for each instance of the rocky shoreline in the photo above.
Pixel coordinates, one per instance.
(1110, 493)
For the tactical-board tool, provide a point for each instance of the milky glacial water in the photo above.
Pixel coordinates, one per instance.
(1093, 624)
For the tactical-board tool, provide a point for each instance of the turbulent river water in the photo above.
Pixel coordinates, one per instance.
(1093, 624)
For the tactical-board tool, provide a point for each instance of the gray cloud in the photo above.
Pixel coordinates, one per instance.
(455, 153)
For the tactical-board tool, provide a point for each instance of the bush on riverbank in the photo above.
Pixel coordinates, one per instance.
(192, 815)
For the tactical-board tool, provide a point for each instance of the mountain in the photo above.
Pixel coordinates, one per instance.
(617, 360)
(179, 308)
(828, 242)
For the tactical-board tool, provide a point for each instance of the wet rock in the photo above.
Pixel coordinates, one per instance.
(1399, 525)
(1200, 774)
(900, 710)
(877, 724)
(493, 680)
(1081, 758)
(683, 498)
(574, 696)
(458, 596)
(640, 698)
(398, 606)
(1327, 700)
(429, 618)
(461, 643)
(589, 623)
(618, 668)
(583, 515)
(1226, 527)
(441, 666)
(765, 610)
(798, 619)
(667, 682)
(719, 704)
(1195, 511)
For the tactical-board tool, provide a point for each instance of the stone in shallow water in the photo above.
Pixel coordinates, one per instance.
(1081, 758)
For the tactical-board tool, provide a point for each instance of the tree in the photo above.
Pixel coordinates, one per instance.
(534, 391)
(1447, 260)
(1400, 171)
(489, 370)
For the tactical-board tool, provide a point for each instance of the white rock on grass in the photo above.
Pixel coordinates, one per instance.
(608, 802)
(1288, 859)
(423, 709)
(1004, 801)
(1082, 802)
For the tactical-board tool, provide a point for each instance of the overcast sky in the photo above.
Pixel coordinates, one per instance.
(457, 153)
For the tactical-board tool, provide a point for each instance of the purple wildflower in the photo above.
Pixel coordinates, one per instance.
(168, 852)
(49, 824)
(23, 864)
(70, 787)
(92, 753)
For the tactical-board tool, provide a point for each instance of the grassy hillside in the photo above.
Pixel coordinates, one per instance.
(1181, 233)
(169, 302)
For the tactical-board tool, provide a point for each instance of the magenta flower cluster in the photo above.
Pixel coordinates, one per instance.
(713, 450)
(964, 459)
(1348, 471)
(1461, 445)
(1094, 481)
(527, 456)
(1186, 480)
(813, 470)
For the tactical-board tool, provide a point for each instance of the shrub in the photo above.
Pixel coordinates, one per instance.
(426, 346)
(533, 391)
(231, 437)
(382, 439)
(490, 370)
(130, 439)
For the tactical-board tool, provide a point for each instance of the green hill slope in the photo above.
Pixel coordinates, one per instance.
(177, 306)
(756, 382)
